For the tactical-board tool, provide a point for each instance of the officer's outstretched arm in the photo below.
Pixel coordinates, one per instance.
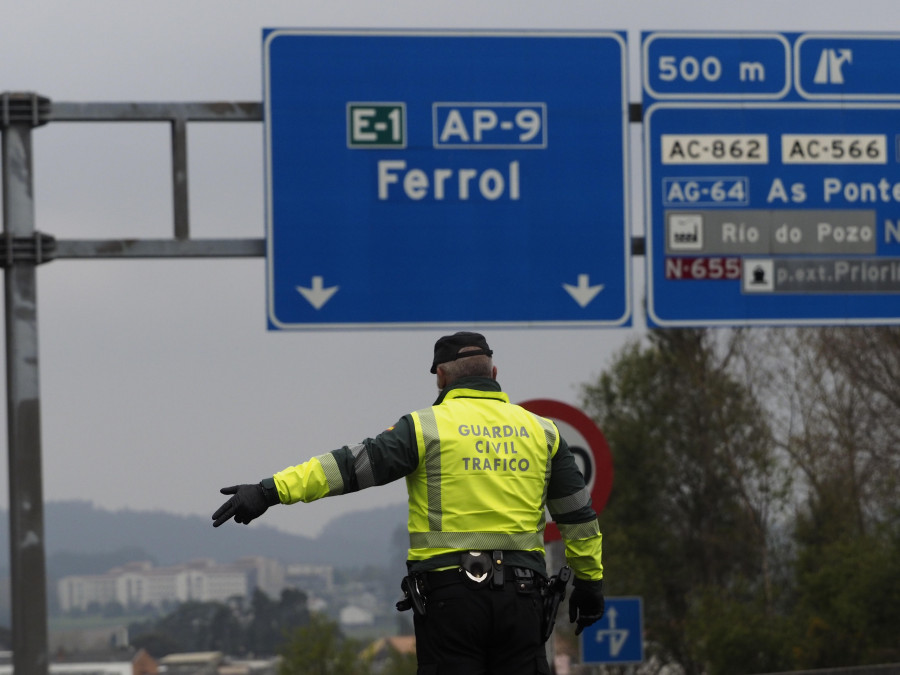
(247, 502)
(376, 461)
(389, 456)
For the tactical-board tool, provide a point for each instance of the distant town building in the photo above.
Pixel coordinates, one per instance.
(311, 578)
(192, 663)
(128, 662)
(90, 639)
(263, 573)
(137, 584)
(354, 617)
(215, 663)
(140, 583)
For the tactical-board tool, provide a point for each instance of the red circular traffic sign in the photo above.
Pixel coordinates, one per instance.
(587, 443)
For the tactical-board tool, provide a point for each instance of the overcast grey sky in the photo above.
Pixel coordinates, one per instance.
(159, 380)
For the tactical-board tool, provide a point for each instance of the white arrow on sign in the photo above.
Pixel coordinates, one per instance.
(617, 638)
(583, 293)
(317, 295)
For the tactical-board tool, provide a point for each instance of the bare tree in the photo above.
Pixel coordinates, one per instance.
(833, 396)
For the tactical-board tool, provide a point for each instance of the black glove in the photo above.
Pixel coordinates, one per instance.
(586, 604)
(246, 503)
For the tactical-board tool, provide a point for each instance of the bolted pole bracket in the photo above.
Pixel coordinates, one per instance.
(34, 250)
(23, 108)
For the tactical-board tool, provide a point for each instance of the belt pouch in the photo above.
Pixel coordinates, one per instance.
(525, 579)
(497, 569)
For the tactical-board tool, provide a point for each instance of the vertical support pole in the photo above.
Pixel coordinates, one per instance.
(551, 549)
(180, 178)
(26, 501)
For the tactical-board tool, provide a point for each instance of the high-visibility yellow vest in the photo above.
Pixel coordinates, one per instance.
(481, 483)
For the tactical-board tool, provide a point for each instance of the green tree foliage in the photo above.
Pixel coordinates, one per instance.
(400, 664)
(837, 397)
(848, 603)
(755, 500)
(155, 643)
(319, 649)
(733, 632)
(232, 628)
(694, 484)
(202, 626)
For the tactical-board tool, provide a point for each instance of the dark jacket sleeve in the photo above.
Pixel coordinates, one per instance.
(389, 456)
(569, 503)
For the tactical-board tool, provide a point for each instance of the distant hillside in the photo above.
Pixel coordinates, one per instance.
(83, 539)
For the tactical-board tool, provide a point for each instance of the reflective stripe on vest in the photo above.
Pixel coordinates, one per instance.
(477, 541)
(432, 468)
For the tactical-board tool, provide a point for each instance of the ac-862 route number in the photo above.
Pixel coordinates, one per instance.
(715, 148)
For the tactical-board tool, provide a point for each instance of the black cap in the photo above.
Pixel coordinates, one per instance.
(447, 348)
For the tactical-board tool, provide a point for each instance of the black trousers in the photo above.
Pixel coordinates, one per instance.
(479, 630)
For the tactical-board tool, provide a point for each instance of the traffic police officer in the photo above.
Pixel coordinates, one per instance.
(480, 472)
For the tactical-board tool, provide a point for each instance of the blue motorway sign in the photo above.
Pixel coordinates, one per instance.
(438, 178)
(772, 178)
(618, 636)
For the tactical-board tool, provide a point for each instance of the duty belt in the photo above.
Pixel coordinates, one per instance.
(476, 569)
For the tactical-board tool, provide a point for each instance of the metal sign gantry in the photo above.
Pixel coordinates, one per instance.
(771, 185)
(22, 249)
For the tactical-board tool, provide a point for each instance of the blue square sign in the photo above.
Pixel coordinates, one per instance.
(618, 636)
(772, 165)
(427, 178)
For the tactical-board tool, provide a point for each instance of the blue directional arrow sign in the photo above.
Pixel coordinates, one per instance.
(446, 178)
(860, 66)
(772, 178)
(618, 636)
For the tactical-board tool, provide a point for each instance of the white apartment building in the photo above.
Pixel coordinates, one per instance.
(138, 584)
(263, 573)
(311, 578)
